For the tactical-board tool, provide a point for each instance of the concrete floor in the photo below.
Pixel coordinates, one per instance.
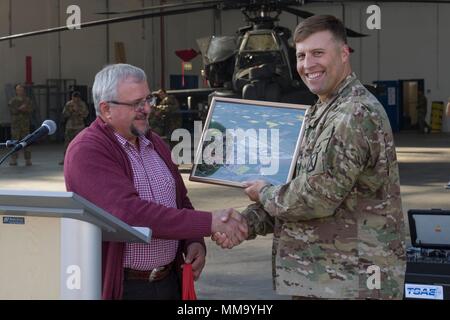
(245, 271)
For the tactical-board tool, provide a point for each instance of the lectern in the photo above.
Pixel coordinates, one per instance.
(50, 244)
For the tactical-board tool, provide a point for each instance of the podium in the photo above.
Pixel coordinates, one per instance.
(51, 245)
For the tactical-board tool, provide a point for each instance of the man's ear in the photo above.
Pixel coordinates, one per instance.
(345, 53)
(105, 110)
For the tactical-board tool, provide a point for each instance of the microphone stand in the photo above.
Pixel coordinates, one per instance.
(8, 144)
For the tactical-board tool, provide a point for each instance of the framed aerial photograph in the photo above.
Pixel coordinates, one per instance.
(247, 140)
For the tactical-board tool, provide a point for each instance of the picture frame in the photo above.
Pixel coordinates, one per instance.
(246, 140)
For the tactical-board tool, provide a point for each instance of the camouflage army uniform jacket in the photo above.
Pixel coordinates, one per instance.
(165, 117)
(75, 113)
(168, 104)
(338, 225)
(20, 117)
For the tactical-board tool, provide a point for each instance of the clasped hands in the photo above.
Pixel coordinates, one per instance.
(229, 227)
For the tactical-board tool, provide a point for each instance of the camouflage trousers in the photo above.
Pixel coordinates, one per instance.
(69, 135)
(422, 124)
(17, 133)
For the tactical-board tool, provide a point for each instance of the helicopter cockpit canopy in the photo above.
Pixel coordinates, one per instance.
(259, 42)
(261, 57)
(259, 47)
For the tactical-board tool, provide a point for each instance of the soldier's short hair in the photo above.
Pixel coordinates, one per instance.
(161, 92)
(76, 94)
(107, 80)
(319, 23)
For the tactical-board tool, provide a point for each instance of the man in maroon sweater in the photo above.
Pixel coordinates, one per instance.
(124, 168)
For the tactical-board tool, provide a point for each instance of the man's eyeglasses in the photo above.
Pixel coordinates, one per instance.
(150, 100)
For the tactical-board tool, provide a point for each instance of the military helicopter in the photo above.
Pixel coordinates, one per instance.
(256, 63)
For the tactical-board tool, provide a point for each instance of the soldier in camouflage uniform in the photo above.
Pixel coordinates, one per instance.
(21, 109)
(165, 117)
(74, 113)
(338, 225)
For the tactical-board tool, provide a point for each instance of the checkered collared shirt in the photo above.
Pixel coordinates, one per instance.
(154, 182)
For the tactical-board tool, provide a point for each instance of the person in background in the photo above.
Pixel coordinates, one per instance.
(21, 109)
(74, 113)
(165, 117)
(422, 107)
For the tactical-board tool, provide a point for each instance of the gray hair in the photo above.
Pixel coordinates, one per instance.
(107, 80)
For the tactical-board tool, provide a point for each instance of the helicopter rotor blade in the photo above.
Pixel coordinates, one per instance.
(354, 34)
(301, 13)
(165, 6)
(107, 21)
(305, 14)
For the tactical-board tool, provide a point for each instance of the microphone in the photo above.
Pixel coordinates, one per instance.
(9, 144)
(48, 127)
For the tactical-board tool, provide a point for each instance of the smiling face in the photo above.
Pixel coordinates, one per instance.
(124, 119)
(322, 63)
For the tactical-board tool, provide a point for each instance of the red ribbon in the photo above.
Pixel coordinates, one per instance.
(188, 283)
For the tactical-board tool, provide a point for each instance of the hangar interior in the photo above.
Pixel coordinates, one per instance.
(411, 45)
(409, 52)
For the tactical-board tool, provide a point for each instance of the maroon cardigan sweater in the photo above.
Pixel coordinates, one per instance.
(97, 168)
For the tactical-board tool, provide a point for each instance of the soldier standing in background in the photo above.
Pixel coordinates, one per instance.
(338, 226)
(165, 117)
(74, 113)
(21, 109)
(422, 107)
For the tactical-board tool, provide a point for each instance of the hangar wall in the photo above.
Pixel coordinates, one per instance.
(412, 43)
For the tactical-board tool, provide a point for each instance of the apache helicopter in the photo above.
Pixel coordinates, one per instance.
(257, 63)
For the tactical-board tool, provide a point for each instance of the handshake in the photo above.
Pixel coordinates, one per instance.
(228, 227)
